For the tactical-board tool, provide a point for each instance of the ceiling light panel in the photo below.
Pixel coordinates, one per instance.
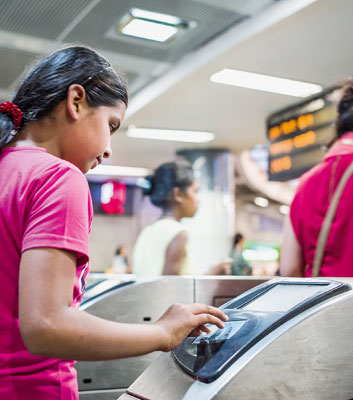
(116, 170)
(261, 202)
(154, 16)
(151, 25)
(149, 30)
(265, 83)
(284, 209)
(171, 135)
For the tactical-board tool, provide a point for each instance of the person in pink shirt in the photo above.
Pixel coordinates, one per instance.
(312, 200)
(57, 127)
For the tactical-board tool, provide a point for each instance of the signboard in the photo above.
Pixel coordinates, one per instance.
(299, 135)
(114, 197)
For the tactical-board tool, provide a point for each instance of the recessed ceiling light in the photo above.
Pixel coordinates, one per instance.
(261, 202)
(154, 16)
(265, 82)
(152, 25)
(116, 170)
(172, 135)
(149, 30)
(284, 209)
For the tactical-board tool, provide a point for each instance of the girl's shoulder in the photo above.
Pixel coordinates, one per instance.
(34, 168)
(32, 158)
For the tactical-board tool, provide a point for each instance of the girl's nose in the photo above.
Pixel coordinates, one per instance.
(108, 152)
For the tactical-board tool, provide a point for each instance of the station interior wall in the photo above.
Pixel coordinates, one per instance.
(108, 232)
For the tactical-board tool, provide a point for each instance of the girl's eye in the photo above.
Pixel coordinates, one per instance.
(112, 128)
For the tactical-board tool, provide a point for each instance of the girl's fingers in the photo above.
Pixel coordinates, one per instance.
(196, 332)
(202, 309)
(205, 328)
(203, 319)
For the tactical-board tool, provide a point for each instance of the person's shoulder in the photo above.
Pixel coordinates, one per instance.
(51, 165)
(36, 160)
(55, 163)
(164, 229)
(315, 174)
(49, 170)
(168, 223)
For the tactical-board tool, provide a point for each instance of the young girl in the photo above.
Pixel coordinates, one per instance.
(57, 127)
(162, 247)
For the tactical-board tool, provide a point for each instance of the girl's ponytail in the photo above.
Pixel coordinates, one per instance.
(10, 122)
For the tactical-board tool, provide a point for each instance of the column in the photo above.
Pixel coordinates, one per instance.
(212, 229)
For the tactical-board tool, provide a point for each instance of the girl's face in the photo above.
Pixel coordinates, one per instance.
(189, 200)
(89, 142)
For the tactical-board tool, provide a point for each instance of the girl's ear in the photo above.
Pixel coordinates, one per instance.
(75, 100)
(177, 195)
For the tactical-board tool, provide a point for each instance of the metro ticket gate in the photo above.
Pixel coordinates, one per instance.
(285, 339)
(135, 300)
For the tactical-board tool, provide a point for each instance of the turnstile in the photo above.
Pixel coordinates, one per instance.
(285, 339)
(144, 301)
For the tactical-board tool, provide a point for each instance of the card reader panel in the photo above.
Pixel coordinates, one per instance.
(252, 316)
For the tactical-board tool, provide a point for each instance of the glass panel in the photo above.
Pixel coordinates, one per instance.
(283, 297)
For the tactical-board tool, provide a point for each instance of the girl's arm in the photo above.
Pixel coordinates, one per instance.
(175, 254)
(50, 327)
(292, 259)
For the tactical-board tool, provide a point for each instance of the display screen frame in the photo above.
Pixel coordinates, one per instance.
(272, 291)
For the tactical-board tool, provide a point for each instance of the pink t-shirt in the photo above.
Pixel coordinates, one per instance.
(310, 205)
(44, 202)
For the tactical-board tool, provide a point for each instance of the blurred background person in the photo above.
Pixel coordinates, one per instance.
(312, 200)
(239, 265)
(120, 264)
(162, 247)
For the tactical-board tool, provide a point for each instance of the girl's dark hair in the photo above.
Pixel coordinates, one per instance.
(165, 178)
(237, 238)
(344, 121)
(46, 85)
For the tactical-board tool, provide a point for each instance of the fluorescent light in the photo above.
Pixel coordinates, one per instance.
(261, 201)
(149, 30)
(115, 170)
(283, 209)
(152, 25)
(265, 82)
(154, 16)
(172, 135)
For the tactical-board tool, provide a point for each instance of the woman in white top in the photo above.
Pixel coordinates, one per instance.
(162, 247)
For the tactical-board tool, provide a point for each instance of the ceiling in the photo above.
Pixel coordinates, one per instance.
(300, 39)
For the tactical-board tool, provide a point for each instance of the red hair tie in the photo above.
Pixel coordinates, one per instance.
(13, 111)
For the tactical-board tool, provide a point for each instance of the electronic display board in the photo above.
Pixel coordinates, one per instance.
(102, 195)
(298, 135)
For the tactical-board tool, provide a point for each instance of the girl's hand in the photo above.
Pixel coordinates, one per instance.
(180, 321)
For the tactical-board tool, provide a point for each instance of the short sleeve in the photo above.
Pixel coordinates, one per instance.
(59, 212)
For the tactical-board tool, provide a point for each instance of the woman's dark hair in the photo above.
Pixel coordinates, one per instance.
(118, 250)
(46, 85)
(237, 238)
(344, 122)
(165, 178)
